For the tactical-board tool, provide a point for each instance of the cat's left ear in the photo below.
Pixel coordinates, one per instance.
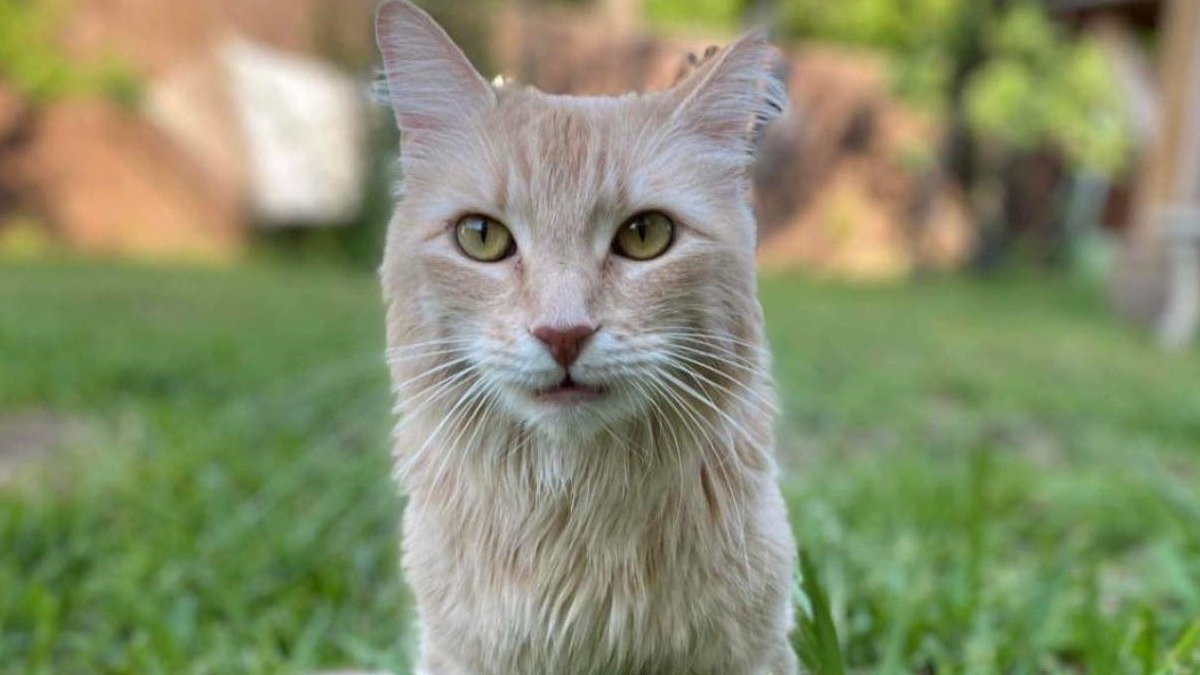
(731, 95)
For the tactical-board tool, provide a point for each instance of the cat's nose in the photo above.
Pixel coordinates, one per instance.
(564, 342)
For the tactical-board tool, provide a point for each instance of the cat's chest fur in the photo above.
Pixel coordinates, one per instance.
(663, 573)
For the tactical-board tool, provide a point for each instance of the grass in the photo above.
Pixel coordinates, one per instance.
(988, 478)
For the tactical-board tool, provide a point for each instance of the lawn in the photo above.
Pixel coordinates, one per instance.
(991, 477)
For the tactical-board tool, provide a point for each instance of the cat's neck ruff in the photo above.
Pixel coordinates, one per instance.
(509, 461)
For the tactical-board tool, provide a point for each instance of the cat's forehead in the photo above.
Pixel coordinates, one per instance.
(540, 112)
(568, 154)
(570, 131)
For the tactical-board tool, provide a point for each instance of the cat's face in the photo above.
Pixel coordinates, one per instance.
(570, 262)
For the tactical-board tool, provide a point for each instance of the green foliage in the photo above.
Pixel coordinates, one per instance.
(1043, 89)
(27, 56)
(1037, 87)
(31, 61)
(989, 478)
(691, 13)
(908, 26)
(918, 35)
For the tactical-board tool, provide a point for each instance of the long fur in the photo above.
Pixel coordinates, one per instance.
(644, 533)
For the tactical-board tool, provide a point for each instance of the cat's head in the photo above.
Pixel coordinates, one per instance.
(571, 262)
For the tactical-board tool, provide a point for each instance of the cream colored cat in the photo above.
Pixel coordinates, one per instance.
(577, 350)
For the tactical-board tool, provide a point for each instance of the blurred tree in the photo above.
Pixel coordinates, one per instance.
(32, 64)
(1039, 89)
(689, 13)
(1002, 66)
(1013, 90)
(29, 63)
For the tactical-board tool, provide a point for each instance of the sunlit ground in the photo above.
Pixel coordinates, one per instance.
(992, 477)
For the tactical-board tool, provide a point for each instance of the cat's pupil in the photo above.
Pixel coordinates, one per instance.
(482, 229)
(640, 227)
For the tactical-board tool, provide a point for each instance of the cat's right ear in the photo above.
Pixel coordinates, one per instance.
(430, 85)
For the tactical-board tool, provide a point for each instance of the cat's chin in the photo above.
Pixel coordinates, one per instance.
(573, 404)
(569, 393)
(568, 410)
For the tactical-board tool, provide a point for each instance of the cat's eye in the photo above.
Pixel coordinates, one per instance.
(644, 236)
(484, 239)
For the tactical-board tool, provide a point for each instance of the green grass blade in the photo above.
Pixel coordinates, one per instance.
(820, 651)
(1184, 658)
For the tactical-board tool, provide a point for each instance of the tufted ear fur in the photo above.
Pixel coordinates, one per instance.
(428, 82)
(731, 95)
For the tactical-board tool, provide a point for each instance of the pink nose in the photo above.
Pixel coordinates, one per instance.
(564, 342)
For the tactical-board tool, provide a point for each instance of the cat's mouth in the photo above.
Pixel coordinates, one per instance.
(569, 391)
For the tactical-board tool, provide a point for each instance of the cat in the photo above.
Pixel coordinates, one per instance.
(577, 351)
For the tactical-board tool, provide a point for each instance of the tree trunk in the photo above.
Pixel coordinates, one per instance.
(1158, 275)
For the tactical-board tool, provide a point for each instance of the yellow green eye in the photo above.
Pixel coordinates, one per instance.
(484, 239)
(644, 236)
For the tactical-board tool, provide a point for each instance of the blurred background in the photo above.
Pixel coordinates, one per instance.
(980, 254)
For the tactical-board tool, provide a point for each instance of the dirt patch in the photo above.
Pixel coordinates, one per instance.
(30, 437)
